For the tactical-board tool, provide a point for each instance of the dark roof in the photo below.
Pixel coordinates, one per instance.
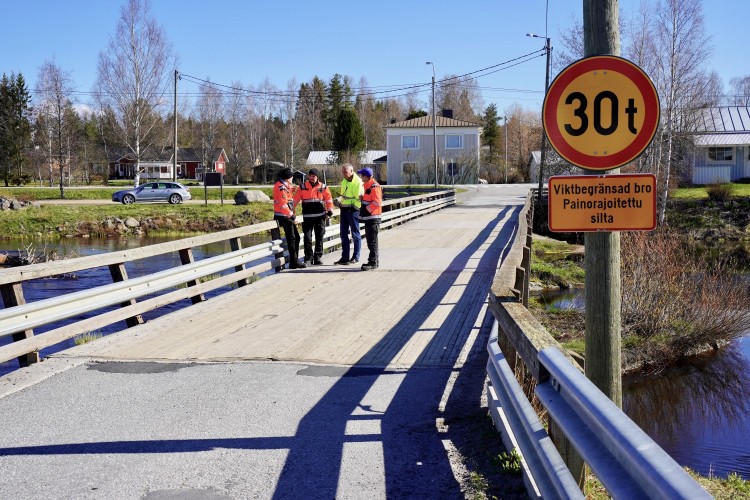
(162, 155)
(426, 121)
(382, 159)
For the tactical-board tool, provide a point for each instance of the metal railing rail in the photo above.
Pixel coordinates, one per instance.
(624, 458)
(19, 318)
(546, 473)
(581, 421)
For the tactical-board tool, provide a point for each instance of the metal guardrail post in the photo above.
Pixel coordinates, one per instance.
(12, 295)
(119, 273)
(186, 257)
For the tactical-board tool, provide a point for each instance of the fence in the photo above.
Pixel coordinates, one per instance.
(583, 425)
(239, 265)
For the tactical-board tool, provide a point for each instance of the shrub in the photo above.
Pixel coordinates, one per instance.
(721, 191)
(674, 301)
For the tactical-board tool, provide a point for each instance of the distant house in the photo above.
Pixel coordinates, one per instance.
(410, 151)
(553, 165)
(722, 145)
(268, 173)
(326, 162)
(158, 163)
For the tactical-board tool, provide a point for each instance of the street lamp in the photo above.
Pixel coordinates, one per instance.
(434, 125)
(544, 132)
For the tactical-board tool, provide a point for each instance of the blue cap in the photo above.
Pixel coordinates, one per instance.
(365, 171)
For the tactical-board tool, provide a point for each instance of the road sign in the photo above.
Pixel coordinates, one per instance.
(601, 112)
(624, 202)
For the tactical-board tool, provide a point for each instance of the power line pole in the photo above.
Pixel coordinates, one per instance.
(603, 294)
(434, 126)
(506, 148)
(174, 124)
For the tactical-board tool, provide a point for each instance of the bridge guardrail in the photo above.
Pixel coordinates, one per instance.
(19, 318)
(582, 423)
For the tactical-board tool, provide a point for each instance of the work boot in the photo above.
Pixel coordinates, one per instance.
(354, 261)
(370, 266)
(342, 261)
(297, 265)
(316, 262)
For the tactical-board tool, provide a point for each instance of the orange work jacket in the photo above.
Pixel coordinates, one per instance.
(283, 200)
(316, 200)
(372, 202)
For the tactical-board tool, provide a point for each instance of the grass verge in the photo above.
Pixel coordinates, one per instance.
(51, 220)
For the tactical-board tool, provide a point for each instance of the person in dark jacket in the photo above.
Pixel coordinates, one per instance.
(283, 213)
(317, 206)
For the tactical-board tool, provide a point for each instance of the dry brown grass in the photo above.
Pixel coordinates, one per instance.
(675, 304)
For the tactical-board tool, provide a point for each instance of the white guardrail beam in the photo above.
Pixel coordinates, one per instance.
(18, 316)
(624, 458)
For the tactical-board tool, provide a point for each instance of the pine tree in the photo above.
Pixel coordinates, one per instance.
(348, 135)
(490, 130)
(15, 126)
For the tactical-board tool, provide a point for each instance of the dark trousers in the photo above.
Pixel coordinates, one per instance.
(371, 234)
(318, 226)
(292, 239)
(350, 222)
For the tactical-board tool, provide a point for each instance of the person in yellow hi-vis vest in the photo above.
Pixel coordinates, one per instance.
(349, 203)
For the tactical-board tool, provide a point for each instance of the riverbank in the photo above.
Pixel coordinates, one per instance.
(71, 221)
(680, 292)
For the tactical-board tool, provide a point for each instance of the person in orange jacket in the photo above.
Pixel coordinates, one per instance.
(369, 213)
(283, 213)
(317, 206)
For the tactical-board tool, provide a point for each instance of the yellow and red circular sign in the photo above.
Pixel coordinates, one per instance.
(601, 112)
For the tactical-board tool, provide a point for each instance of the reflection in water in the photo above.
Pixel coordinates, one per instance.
(44, 288)
(699, 413)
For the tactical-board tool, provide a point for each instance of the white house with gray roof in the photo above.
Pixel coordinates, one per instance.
(410, 151)
(722, 145)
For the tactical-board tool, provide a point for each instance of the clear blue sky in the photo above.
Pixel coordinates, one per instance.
(387, 42)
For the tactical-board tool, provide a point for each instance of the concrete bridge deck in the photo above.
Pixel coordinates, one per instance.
(369, 369)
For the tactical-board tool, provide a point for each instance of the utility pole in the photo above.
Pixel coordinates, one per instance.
(506, 148)
(174, 124)
(547, 49)
(603, 293)
(434, 126)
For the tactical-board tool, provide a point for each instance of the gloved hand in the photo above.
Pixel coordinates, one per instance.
(329, 213)
(293, 217)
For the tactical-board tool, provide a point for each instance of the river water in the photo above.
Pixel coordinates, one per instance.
(77, 247)
(698, 411)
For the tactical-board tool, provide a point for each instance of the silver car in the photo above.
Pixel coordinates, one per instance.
(173, 192)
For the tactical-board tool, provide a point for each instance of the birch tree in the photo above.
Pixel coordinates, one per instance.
(56, 107)
(681, 78)
(210, 115)
(133, 76)
(236, 117)
(740, 88)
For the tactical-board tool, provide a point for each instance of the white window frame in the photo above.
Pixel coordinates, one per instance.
(460, 141)
(724, 161)
(416, 141)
